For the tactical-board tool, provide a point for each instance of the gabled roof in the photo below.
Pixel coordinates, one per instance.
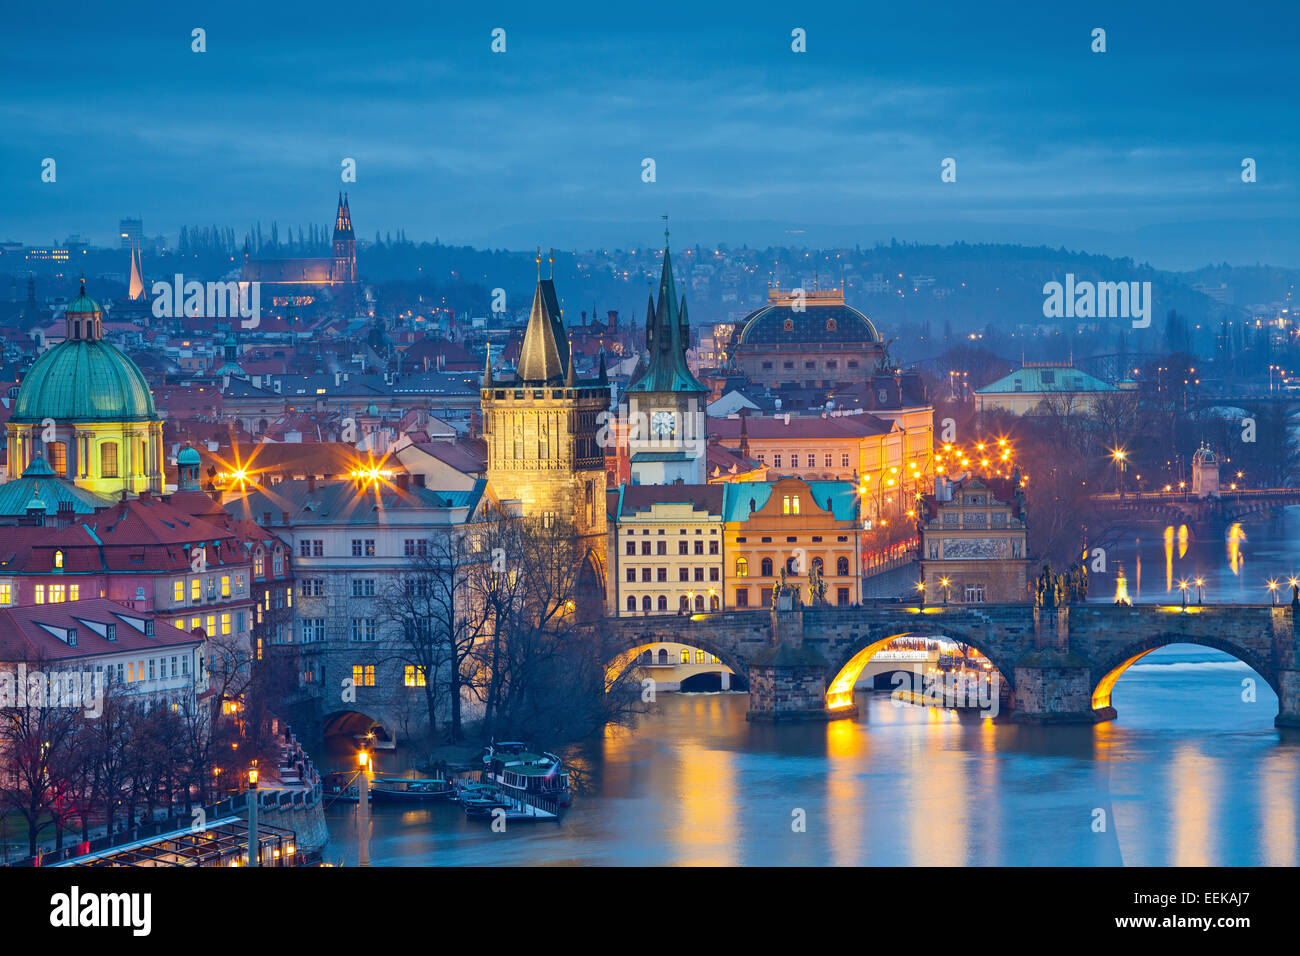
(39, 632)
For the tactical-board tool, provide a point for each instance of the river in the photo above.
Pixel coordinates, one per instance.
(1192, 772)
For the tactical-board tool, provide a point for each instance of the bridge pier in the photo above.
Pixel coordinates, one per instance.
(1288, 699)
(1054, 687)
(788, 679)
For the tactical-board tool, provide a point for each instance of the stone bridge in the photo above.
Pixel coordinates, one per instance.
(1056, 665)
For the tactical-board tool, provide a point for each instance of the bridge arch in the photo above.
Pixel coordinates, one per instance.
(840, 688)
(1109, 670)
(629, 656)
(352, 723)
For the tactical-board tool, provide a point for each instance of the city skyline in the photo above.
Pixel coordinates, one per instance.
(840, 145)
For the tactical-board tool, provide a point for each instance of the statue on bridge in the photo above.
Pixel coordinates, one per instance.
(816, 586)
(1053, 590)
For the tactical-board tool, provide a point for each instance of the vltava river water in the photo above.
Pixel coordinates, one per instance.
(1189, 774)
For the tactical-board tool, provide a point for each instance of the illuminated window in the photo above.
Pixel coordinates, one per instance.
(56, 453)
(790, 504)
(225, 623)
(288, 596)
(56, 594)
(130, 672)
(178, 590)
(6, 593)
(108, 460)
(225, 585)
(742, 567)
(40, 594)
(414, 676)
(363, 675)
(196, 589)
(686, 656)
(259, 564)
(211, 625)
(58, 560)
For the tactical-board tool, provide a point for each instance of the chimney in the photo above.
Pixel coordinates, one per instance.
(402, 481)
(311, 482)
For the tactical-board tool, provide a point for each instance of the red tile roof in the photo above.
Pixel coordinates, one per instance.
(32, 633)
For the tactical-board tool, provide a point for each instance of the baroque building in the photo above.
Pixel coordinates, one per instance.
(86, 408)
(542, 431)
(666, 402)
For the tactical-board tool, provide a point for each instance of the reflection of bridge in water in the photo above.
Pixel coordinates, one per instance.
(1055, 664)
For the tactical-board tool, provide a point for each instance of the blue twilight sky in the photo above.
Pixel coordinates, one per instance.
(1136, 151)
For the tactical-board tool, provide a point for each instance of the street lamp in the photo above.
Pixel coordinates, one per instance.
(1120, 457)
(253, 840)
(1272, 590)
(363, 806)
(1182, 586)
(1200, 590)
(920, 590)
(943, 582)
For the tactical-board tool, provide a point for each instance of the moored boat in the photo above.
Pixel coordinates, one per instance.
(409, 790)
(519, 771)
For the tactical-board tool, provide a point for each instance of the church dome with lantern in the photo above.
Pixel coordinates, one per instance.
(87, 408)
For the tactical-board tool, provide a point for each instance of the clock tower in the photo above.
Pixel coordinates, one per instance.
(665, 400)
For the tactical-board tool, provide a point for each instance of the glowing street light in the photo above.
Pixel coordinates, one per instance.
(1272, 590)
(1200, 590)
(943, 582)
(1182, 586)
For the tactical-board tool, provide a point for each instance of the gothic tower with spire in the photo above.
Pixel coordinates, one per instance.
(665, 401)
(542, 433)
(344, 267)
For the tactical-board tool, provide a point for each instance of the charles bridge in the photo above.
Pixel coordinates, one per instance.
(1057, 664)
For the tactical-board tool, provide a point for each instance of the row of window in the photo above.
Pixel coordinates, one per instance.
(808, 364)
(363, 675)
(843, 597)
(197, 587)
(134, 671)
(828, 460)
(661, 547)
(684, 603)
(765, 567)
(210, 622)
(686, 656)
(661, 574)
(56, 593)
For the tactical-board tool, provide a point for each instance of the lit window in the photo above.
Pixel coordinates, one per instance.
(178, 590)
(225, 585)
(56, 593)
(58, 560)
(6, 593)
(225, 623)
(40, 594)
(414, 676)
(790, 504)
(742, 567)
(196, 589)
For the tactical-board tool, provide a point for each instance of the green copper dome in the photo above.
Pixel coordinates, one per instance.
(84, 380)
(82, 304)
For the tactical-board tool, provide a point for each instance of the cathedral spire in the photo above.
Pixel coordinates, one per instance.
(487, 368)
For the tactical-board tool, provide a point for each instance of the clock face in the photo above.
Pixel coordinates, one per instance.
(663, 424)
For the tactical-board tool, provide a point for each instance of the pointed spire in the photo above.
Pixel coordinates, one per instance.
(667, 338)
(603, 378)
(135, 291)
(570, 376)
(487, 368)
(544, 356)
